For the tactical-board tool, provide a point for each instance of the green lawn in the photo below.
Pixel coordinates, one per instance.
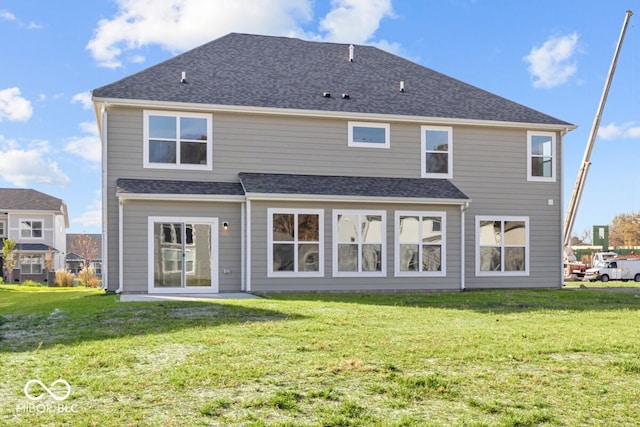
(505, 358)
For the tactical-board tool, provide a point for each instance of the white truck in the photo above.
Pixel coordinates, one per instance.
(614, 269)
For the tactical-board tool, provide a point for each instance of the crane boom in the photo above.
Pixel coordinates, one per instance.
(572, 209)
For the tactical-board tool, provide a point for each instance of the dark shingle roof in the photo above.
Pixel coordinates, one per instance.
(34, 247)
(154, 186)
(29, 200)
(321, 185)
(279, 72)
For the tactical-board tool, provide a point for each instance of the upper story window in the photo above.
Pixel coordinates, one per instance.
(420, 243)
(31, 229)
(541, 164)
(359, 243)
(372, 135)
(437, 157)
(177, 140)
(3, 229)
(295, 245)
(502, 246)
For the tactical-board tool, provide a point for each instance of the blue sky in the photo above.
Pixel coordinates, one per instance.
(550, 55)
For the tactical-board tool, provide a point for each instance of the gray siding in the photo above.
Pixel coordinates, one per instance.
(489, 166)
(261, 283)
(136, 250)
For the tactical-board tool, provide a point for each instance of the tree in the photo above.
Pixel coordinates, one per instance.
(624, 230)
(9, 256)
(87, 249)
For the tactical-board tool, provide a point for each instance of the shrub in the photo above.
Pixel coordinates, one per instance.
(64, 278)
(88, 278)
(1, 281)
(32, 283)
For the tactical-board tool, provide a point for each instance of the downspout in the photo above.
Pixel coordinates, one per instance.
(248, 248)
(463, 209)
(243, 248)
(105, 235)
(120, 245)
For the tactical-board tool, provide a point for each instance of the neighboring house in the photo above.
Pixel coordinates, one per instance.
(261, 164)
(83, 243)
(38, 223)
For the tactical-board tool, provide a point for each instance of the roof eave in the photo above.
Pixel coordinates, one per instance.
(326, 114)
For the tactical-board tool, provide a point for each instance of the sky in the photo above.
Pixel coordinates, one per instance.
(550, 55)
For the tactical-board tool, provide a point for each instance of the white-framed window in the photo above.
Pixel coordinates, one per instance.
(541, 159)
(420, 243)
(174, 140)
(3, 229)
(359, 243)
(31, 229)
(437, 151)
(295, 242)
(502, 246)
(31, 264)
(369, 135)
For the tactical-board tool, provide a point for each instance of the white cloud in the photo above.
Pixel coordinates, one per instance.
(178, 25)
(355, 21)
(13, 106)
(92, 216)
(5, 14)
(25, 167)
(84, 98)
(88, 146)
(625, 131)
(554, 62)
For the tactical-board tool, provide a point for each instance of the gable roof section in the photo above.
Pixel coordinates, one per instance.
(28, 200)
(245, 70)
(351, 186)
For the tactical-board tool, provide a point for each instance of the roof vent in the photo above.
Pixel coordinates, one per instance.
(401, 85)
(183, 79)
(351, 49)
(326, 94)
(345, 96)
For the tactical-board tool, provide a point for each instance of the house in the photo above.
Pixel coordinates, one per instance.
(80, 246)
(265, 164)
(37, 223)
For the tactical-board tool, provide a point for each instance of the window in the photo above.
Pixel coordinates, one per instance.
(3, 229)
(541, 147)
(359, 246)
(31, 264)
(372, 135)
(437, 160)
(177, 140)
(30, 229)
(420, 244)
(295, 242)
(502, 246)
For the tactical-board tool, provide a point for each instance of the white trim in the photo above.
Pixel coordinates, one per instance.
(295, 242)
(423, 151)
(3, 228)
(120, 246)
(243, 248)
(383, 242)
(387, 135)
(102, 120)
(463, 248)
(182, 197)
(214, 257)
(178, 165)
(31, 220)
(527, 247)
(326, 114)
(443, 244)
(552, 178)
(353, 199)
(248, 247)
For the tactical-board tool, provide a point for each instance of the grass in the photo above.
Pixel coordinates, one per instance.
(486, 358)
